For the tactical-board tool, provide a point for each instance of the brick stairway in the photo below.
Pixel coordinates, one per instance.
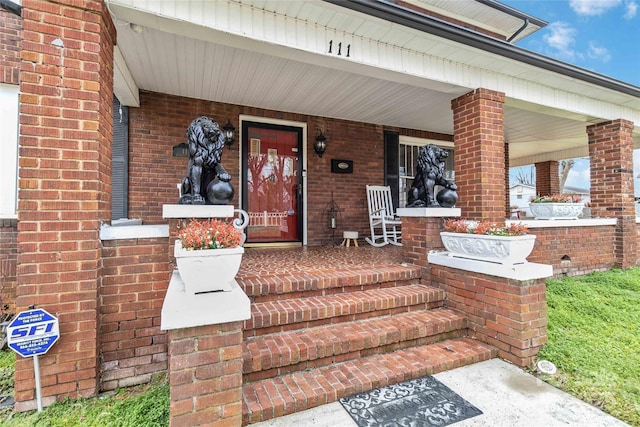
(319, 334)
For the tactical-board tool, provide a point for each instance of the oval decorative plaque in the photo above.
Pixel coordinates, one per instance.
(341, 166)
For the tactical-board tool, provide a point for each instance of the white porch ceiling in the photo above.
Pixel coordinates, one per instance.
(258, 75)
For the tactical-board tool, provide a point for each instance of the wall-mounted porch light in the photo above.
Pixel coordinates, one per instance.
(229, 133)
(320, 145)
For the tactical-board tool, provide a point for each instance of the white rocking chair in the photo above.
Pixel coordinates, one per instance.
(382, 217)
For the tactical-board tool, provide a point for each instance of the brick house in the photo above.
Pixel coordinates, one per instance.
(106, 90)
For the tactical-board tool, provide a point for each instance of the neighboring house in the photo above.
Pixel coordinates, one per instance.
(520, 195)
(108, 88)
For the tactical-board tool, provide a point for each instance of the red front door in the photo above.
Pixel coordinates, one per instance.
(272, 182)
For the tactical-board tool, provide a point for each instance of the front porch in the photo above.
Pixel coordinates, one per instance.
(108, 293)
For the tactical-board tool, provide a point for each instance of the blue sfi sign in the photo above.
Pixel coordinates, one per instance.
(32, 332)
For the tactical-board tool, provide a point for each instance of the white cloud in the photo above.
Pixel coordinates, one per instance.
(597, 52)
(561, 37)
(631, 8)
(593, 7)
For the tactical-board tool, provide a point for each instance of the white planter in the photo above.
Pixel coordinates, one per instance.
(556, 210)
(505, 250)
(208, 270)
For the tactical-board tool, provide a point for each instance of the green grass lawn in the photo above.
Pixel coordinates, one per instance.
(594, 340)
(140, 406)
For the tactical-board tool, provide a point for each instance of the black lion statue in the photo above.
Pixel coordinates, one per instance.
(207, 182)
(430, 172)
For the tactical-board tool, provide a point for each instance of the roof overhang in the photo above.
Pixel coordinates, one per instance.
(401, 70)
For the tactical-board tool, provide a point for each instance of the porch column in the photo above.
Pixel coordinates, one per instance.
(547, 178)
(478, 131)
(612, 192)
(66, 85)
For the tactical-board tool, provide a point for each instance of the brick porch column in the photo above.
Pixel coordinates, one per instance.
(612, 192)
(547, 178)
(205, 342)
(205, 366)
(66, 84)
(478, 128)
(421, 234)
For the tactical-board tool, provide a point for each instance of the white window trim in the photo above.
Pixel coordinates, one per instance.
(9, 116)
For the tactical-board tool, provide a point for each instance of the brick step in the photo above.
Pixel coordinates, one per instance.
(301, 313)
(273, 355)
(275, 397)
(322, 282)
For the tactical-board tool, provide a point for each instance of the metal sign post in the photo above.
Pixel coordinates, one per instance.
(32, 333)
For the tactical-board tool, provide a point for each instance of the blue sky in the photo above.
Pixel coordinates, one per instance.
(599, 35)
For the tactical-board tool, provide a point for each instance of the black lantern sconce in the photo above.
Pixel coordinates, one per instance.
(229, 133)
(320, 145)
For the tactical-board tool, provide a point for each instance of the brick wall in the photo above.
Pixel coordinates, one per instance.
(508, 314)
(8, 256)
(574, 250)
(10, 33)
(135, 278)
(206, 375)
(64, 186)
(162, 120)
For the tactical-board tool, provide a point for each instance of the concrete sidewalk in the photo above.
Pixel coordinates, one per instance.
(505, 394)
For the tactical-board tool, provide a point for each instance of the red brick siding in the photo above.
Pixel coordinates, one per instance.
(478, 127)
(205, 375)
(8, 256)
(585, 249)
(135, 277)
(508, 314)
(10, 33)
(64, 186)
(419, 236)
(162, 120)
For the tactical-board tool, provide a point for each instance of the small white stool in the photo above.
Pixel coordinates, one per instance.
(348, 236)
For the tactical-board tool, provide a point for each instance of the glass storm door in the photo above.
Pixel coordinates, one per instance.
(272, 178)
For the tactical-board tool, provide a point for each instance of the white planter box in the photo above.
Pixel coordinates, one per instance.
(208, 270)
(556, 210)
(505, 250)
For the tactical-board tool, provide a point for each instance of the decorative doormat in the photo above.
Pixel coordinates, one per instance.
(418, 403)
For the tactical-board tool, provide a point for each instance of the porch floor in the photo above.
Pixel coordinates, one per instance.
(315, 260)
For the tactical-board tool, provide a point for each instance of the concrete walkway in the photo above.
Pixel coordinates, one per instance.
(505, 394)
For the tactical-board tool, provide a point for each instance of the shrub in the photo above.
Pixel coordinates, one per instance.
(483, 227)
(209, 234)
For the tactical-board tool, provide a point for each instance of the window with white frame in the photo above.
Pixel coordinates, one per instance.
(9, 150)
(409, 147)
